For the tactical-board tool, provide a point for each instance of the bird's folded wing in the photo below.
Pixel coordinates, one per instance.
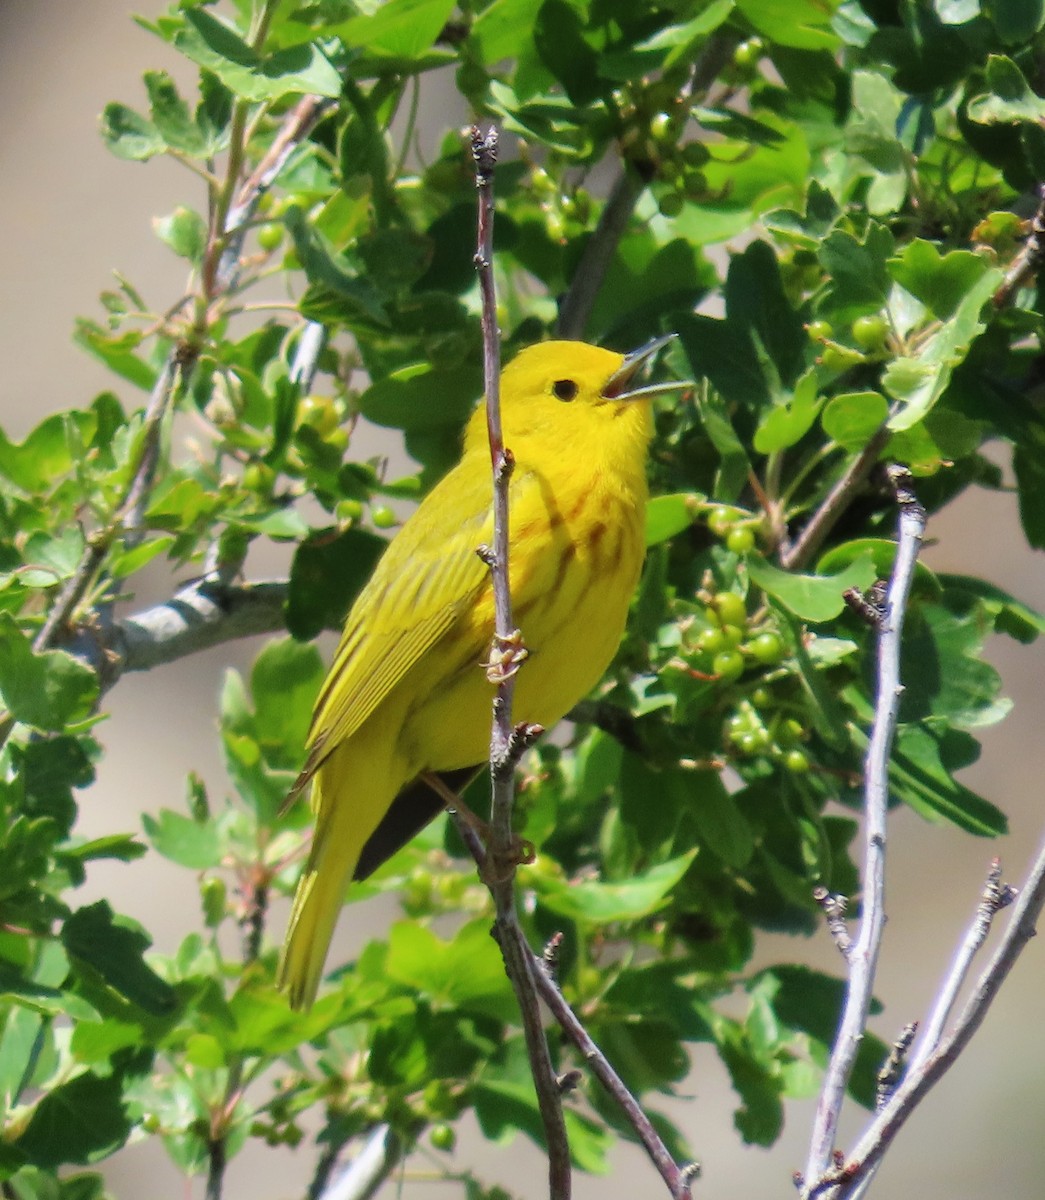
(429, 575)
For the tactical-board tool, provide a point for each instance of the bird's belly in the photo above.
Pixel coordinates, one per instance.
(571, 621)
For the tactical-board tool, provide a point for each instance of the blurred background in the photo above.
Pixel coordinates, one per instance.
(70, 214)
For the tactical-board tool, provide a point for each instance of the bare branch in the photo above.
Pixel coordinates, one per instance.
(199, 616)
(506, 743)
(863, 954)
(365, 1174)
(833, 908)
(675, 1177)
(996, 895)
(835, 504)
(921, 1078)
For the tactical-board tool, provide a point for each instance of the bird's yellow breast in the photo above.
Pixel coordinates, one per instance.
(576, 551)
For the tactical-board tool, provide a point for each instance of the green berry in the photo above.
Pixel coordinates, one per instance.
(711, 641)
(748, 743)
(748, 53)
(741, 540)
(728, 665)
(660, 127)
(796, 762)
(819, 330)
(731, 609)
(320, 412)
(733, 636)
(767, 648)
(442, 1136)
(671, 204)
(720, 521)
(869, 332)
(789, 731)
(383, 517)
(270, 236)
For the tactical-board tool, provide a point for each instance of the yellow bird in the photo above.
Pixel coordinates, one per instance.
(406, 694)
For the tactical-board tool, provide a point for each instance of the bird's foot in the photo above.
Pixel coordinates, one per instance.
(507, 654)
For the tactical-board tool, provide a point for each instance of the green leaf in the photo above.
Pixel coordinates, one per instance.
(721, 352)
(803, 24)
(603, 903)
(1028, 464)
(215, 46)
(860, 281)
(882, 553)
(129, 561)
(101, 944)
(757, 303)
(1010, 99)
(465, 973)
(357, 294)
(193, 844)
(922, 773)
(327, 574)
(944, 673)
(791, 418)
(811, 597)
(171, 116)
(36, 464)
(77, 1122)
(558, 34)
(503, 1107)
(723, 828)
(45, 690)
(667, 516)
(809, 228)
(940, 282)
(284, 682)
(852, 418)
(918, 383)
(129, 135)
(117, 351)
(421, 397)
(399, 28)
(1011, 616)
(761, 1115)
(119, 846)
(184, 231)
(1016, 21)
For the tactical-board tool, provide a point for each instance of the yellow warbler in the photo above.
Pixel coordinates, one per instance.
(406, 693)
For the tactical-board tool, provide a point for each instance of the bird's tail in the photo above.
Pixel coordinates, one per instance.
(321, 890)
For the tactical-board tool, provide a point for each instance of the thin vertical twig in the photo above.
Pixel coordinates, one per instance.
(506, 742)
(863, 953)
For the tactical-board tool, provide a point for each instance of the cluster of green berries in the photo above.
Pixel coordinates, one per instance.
(726, 645)
(869, 333)
(733, 528)
(750, 734)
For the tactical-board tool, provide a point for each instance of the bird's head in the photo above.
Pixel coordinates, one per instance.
(574, 393)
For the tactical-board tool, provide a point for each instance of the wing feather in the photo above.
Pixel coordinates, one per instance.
(424, 581)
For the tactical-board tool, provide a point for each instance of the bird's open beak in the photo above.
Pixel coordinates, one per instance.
(618, 385)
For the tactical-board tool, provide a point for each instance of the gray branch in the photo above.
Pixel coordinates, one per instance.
(863, 953)
(197, 617)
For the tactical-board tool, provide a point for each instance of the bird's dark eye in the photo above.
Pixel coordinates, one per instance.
(564, 389)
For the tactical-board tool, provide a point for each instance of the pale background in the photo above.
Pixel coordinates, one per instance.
(69, 214)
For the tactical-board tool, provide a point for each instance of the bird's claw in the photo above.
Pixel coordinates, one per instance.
(507, 654)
